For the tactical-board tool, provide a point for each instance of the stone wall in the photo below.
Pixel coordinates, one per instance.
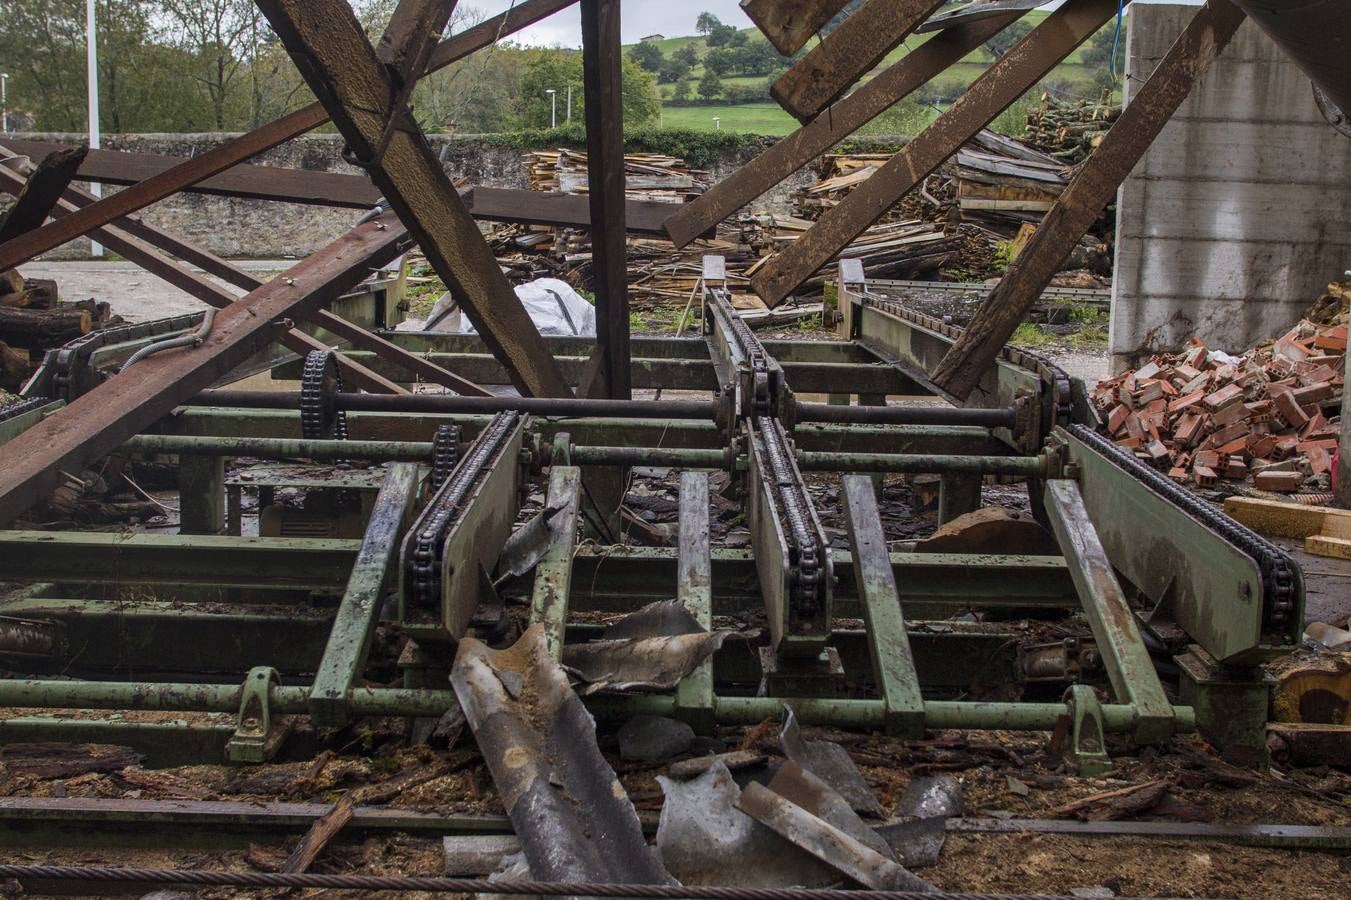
(1240, 213)
(262, 229)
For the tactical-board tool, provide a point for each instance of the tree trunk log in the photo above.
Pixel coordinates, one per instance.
(42, 329)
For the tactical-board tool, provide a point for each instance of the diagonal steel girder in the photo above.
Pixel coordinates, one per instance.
(341, 67)
(1093, 187)
(100, 421)
(246, 146)
(999, 86)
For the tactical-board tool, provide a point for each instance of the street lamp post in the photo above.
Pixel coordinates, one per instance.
(553, 107)
(95, 248)
(569, 113)
(4, 102)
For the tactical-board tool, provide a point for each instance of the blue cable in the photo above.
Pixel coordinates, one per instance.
(1116, 38)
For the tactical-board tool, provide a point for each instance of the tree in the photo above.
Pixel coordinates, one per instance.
(218, 33)
(1098, 50)
(1003, 42)
(725, 36)
(707, 23)
(719, 62)
(557, 69)
(710, 86)
(648, 55)
(673, 70)
(682, 91)
(688, 55)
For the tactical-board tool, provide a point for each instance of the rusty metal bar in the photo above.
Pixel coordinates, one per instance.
(871, 99)
(448, 404)
(102, 419)
(1000, 85)
(41, 191)
(341, 67)
(137, 241)
(1093, 187)
(246, 146)
(849, 52)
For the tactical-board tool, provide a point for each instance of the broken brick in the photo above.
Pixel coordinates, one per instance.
(1280, 482)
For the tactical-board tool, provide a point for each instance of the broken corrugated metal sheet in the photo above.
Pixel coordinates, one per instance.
(831, 763)
(651, 649)
(704, 839)
(796, 784)
(528, 544)
(575, 820)
(926, 804)
(827, 843)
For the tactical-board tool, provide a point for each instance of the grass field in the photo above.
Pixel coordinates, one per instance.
(768, 118)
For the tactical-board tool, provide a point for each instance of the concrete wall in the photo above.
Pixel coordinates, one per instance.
(1239, 214)
(267, 230)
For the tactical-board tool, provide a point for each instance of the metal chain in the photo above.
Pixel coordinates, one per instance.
(28, 404)
(1279, 579)
(445, 453)
(62, 361)
(424, 563)
(437, 884)
(320, 381)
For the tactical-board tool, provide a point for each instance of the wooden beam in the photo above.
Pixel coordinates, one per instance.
(100, 421)
(39, 194)
(847, 54)
(788, 24)
(602, 57)
(1080, 204)
(791, 153)
(349, 191)
(341, 67)
(217, 160)
(999, 86)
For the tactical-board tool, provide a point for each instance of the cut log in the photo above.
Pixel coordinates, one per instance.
(11, 282)
(42, 293)
(14, 367)
(41, 329)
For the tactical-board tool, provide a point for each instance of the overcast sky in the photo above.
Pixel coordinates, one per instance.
(638, 19)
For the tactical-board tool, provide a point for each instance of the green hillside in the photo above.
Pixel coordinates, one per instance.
(1072, 76)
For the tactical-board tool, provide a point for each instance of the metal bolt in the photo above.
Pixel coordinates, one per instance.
(290, 281)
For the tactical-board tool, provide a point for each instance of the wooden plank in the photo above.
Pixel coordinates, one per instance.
(1322, 545)
(1276, 518)
(849, 52)
(98, 422)
(791, 153)
(41, 191)
(788, 24)
(343, 71)
(602, 59)
(1093, 187)
(132, 238)
(1000, 85)
(694, 579)
(245, 146)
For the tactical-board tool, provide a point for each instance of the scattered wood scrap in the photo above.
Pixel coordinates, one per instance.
(61, 760)
(1115, 804)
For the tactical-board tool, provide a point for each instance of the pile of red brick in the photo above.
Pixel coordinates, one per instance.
(1269, 416)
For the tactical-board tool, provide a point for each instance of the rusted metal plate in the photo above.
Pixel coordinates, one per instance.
(651, 649)
(849, 52)
(788, 24)
(217, 160)
(872, 98)
(999, 86)
(1093, 187)
(573, 817)
(341, 67)
(101, 420)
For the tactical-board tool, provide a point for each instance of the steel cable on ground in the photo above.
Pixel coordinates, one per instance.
(471, 885)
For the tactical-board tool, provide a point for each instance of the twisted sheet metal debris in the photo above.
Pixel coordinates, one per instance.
(573, 817)
(831, 763)
(651, 649)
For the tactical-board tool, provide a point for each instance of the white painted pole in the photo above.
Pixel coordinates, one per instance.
(569, 117)
(95, 248)
(4, 102)
(553, 107)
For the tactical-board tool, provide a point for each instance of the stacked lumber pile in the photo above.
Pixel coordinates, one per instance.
(1070, 130)
(897, 249)
(33, 320)
(647, 176)
(1269, 416)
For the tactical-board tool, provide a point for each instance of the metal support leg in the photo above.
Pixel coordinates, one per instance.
(893, 659)
(201, 494)
(694, 580)
(349, 639)
(1124, 653)
(958, 495)
(1231, 705)
(553, 575)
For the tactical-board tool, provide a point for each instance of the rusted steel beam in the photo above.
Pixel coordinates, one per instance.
(872, 98)
(35, 200)
(1092, 188)
(788, 24)
(142, 244)
(217, 160)
(342, 69)
(1000, 85)
(602, 56)
(103, 419)
(848, 53)
(349, 191)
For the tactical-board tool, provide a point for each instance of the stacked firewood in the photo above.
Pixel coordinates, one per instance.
(33, 320)
(1070, 130)
(1270, 416)
(647, 176)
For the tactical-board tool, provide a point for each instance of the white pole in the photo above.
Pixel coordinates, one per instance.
(4, 102)
(95, 248)
(553, 107)
(569, 119)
